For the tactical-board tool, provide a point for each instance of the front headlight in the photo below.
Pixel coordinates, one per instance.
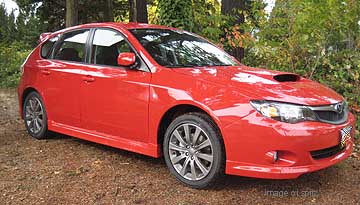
(283, 112)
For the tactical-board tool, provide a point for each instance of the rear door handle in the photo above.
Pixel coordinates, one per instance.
(45, 71)
(88, 78)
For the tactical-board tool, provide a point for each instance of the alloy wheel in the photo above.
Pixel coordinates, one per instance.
(34, 115)
(191, 151)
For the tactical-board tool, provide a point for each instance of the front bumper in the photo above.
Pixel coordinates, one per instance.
(248, 142)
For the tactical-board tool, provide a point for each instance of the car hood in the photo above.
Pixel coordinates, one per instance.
(266, 84)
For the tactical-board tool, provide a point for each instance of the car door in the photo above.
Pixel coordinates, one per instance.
(114, 98)
(61, 77)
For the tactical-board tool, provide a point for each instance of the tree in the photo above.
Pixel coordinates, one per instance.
(176, 13)
(71, 13)
(138, 11)
(108, 15)
(3, 23)
(18, 29)
(52, 13)
(207, 19)
(232, 8)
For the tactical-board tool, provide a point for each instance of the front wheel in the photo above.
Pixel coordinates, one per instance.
(193, 150)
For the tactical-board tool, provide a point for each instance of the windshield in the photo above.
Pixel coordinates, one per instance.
(175, 48)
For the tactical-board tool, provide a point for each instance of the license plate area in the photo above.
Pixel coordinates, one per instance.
(345, 136)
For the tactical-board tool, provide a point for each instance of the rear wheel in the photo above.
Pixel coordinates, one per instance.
(34, 115)
(193, 150)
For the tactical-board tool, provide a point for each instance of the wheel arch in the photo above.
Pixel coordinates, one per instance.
(25, 93)
(178, 110)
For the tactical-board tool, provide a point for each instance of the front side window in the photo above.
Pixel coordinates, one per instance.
(175, 48)
(72, 46)
(107, 45)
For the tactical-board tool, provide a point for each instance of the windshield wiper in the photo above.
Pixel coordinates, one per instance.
(181, 66)
(195, 65)
(209, 65)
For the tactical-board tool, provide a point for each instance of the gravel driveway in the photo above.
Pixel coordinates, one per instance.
(66, 170)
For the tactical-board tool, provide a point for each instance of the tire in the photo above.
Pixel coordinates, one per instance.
(186, 157)
(35, 116)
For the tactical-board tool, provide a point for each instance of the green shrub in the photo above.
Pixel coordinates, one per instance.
(11, 58)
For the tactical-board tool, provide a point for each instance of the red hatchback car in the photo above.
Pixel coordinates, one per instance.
(159, 91)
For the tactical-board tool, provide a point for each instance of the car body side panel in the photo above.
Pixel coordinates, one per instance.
(60, 83)
(110, 140)
(28, 79)
(116, 102)
(166, 91)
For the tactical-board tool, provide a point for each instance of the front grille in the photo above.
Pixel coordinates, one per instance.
(327, 152)
(330, 115)
(333, 114)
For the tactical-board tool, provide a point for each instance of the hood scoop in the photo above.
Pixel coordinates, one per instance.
(286, 78)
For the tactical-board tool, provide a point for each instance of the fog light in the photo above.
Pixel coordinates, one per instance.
(272, 156)
(276, 156)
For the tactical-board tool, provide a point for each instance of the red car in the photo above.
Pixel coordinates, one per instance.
(159, 91)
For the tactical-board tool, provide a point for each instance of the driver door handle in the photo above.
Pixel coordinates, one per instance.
(45, 71)
(88, 78)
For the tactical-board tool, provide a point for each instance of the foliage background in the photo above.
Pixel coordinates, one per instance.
(319, 39)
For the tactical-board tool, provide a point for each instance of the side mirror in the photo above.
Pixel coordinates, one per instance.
(126, 59)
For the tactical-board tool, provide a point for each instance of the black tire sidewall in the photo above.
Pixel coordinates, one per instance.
(44, 129)
(217, 168)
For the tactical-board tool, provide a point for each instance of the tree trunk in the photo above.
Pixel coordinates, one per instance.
(142, 15)
(230, 7)
(108, 13)
(132, 13)
(71, 13)
(138, 11)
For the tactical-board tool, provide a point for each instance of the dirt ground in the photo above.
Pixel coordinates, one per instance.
(66, 170)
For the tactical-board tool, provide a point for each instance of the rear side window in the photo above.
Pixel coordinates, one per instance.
(72, 46)
(47, 47)
(107, 45)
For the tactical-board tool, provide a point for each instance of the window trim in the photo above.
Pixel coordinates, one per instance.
(61, 38)
(49, 54)
(144, 67)
(88, 49)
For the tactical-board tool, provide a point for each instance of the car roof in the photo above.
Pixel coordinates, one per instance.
(133, 25)
(128, 26)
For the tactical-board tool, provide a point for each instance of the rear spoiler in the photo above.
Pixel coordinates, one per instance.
(43, 36)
